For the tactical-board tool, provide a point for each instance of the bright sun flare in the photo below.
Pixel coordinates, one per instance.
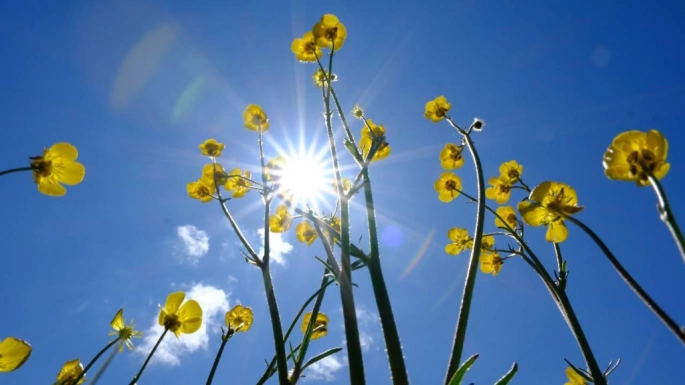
(306, 178)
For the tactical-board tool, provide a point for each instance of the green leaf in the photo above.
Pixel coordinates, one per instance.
(320, 357)
(461, 372)
(507, 377)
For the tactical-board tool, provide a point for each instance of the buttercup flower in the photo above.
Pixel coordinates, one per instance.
(69, 372)
(255, 118)
(186, 318)
(487, 242)
(319, 78)
(201, 190)
(370, 126)
(274, 168)
(329, 32)
(305, 48)
(500, 190)
(437, 109)
(214, 174)
(490, 263)
(511, 171)
(320, 325)
(305, 233)
(365, 144)
(461, 241)
(238, 185)
(574, 378)
(239, 318)
(13, 354)
(448, 186)
(548, 203)
(632, 150)
(124, 332)
(55, 167)
(509, 215)
(280, 222)
(451, 157)
(212, 148)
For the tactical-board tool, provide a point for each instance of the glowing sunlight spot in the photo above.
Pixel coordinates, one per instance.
(307, 178)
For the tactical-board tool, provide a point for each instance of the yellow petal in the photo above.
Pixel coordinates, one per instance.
(190, 315)
(118, 320)
(50, 186)
(64, 151)
(657, 144)
(556, 232)
(71, 173)
(540, 192)
(174, 301)
(70, 371)
(574, 378)
(532, 213)
(162, 316)
(321, 323)
(13, 353)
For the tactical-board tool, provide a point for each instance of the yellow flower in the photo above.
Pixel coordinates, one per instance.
(346, 185)
(239, 318)
(239, 186)
(212, 148)
(574, 378)
(437, 109)
(69, 372)
(214, 174)
(280, 222)
(13, 353)
(57, 165)
(124, 332)
(378, 130)
(490, 263)
(320, 328)
(274, 168)
(305, 48)
(511, 171)
(630, 151)
(201, 190)
(186, 318)
(329, 31)
(448, 186)
(255, 118)
(357, 112)
(451, 157)
(320, 78)
(334, 222)
(365, 144)
(500, 190)
(461, 241)
(548, 203)
(305, 233)
(509, 215)
(487, 242)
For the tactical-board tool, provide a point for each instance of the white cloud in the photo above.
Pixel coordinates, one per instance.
(323, 370)
(214, 303)
(193, 242)
(366, 341)
(277, 246)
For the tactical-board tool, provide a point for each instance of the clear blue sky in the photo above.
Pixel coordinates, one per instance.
(137, 86)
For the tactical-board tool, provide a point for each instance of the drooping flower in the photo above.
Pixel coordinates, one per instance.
(274, 168)
(55, 167)
(320, 78)
(237, 183)
(69, 372)
(239, 318)
(280, 221)
(437, 109)
(255, 118)
(632, 150)
(13, 354)
(460, 241)
(329, 32)
(490, 262)
(305, 48)
(548, 205)
(574, 378)
(511, 171)
(212, 148)
(451, 157)
(305, 233)
(448, 186)
(180, 317)
(214, 174)
(201, 190)
(500, 190)
(509, 215)
(383, 151)
(124, 332)
(320, 328)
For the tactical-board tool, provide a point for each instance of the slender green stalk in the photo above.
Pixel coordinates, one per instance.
(92, 362)
(136, 378)
(15, 170)
(224, 340)
(560, 267)
(665, 212)
(632, 283)
(472, 270)
(103, 368)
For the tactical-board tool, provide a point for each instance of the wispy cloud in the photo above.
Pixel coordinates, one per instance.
(193, 243)
(277, 246)
(323, 370)
(214, 303)
(368, 321)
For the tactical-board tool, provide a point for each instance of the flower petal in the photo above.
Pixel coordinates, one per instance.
(556, 232)
(174, 301)
(71, 173)
(532, 213)
(64, 151)
(190, 315)
(13, 353)
(118, 320)
(50, 186)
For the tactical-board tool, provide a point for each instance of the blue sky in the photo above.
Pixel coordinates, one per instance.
(136, 86)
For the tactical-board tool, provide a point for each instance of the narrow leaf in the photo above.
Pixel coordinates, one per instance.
(321, 356)
(507, 377)
(461, 372)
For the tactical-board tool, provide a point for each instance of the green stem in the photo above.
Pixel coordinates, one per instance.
(472, 270)
(15, 170)
(136, 378)
(665, 212)
(560, 267)
(216, 360)
(103, 368)
(97, 356)
(641, 293)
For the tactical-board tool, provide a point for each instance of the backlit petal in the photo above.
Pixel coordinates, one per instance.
(13, 353)
(532, 213)
(71, 173)
(191, 313)
(64, 151)
(50, 186)
(174, 301)
(540, 192)
(118, 320)
(556, 232)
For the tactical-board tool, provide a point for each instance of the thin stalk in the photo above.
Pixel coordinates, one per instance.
(560, 267)
(472, 270)
(18, 169)
(224, 340)
(92, 362)
(632, 283)
(136, 378)
(103, 368)
(665, 212)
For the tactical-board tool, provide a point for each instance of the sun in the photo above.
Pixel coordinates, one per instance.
(307, 178)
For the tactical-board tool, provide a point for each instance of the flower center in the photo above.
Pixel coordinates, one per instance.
(172, 322)
(511, 218)
(643, 157)
(42, 167)
(440, 111)
(513, 174)
(331, 33)
(310, 47)
(504, 188)
(450, 185)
